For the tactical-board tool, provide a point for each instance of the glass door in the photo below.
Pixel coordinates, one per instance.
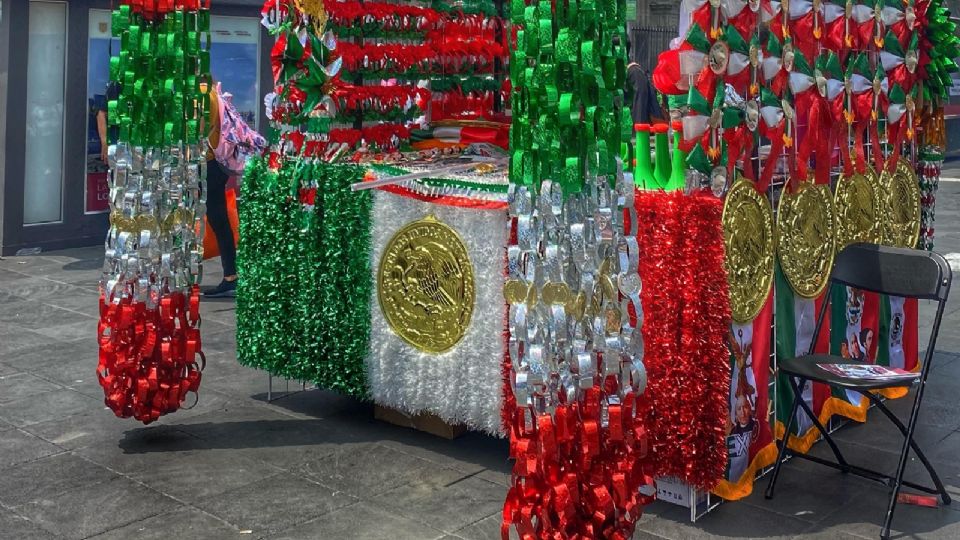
(46, 67)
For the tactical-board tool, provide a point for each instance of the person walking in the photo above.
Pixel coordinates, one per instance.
(642, 97)
(217, 179)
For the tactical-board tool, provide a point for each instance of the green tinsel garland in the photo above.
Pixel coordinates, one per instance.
(304, 292)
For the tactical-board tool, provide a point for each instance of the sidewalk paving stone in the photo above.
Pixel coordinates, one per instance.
(96, 508)
(61, 473)
(17, 526)
(360, 520)
(181, 522)
(17, 446)
(275, 503)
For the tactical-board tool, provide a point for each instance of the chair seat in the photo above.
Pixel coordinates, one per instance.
(806, 367)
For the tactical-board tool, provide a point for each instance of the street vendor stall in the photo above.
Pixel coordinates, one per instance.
(614, 299)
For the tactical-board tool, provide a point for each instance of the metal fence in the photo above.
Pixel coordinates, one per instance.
(647, 42)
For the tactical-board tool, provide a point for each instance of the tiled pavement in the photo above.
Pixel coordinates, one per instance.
(315, 465)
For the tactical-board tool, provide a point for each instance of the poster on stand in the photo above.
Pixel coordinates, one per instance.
(750, 443)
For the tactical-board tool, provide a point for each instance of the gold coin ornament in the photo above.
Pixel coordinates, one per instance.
(901, 217)
(749, 249)
(425, 285)
(806, 220)
(859, 205)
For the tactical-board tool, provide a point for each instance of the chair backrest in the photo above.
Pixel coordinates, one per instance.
(909, 273)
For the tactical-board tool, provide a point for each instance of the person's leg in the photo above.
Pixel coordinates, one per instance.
(217, 218)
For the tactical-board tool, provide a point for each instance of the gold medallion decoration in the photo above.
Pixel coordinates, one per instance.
(425, 285)
(859, 205)
(805, 238)
(901, 219)
(749, 249)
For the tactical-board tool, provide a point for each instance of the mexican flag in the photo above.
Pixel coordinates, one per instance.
(750, 443)
(307, 304)
(863, 326)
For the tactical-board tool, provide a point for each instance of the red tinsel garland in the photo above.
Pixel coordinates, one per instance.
(686, 314)
(148, 357)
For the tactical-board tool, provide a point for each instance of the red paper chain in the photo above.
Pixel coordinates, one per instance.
(575, 478)
(148, 357)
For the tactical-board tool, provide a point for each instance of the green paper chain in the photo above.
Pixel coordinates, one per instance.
(944, 50)
(568, 71)
(159, 70)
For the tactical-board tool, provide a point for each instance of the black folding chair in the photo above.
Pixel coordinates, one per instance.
(897, 272)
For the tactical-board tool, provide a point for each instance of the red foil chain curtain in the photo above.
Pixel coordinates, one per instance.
(148, 355)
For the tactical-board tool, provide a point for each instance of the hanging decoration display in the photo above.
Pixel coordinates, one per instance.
(928, 173)
(600, 383)
(749, 248)
(300, 226)
(805, 239)
(296, 259)
(859, 204)
(401, 59)
(149, 330)
(893, 81)
(901, 224)
(573, 289)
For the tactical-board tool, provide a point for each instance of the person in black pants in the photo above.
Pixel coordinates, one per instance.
(217, 180)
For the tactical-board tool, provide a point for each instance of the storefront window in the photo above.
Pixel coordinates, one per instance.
(46, 63)
(235, 61)
(100, 44)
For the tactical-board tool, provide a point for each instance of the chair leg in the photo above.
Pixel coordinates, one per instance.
(904, 452)
(823, 431)
(782, 452)
(944, 496)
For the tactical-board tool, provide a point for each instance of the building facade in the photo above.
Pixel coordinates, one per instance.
(54, 69)
(657, 13)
